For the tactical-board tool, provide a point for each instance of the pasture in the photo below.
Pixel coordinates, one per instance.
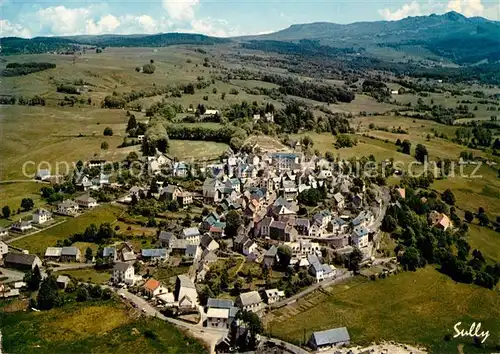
(411, 307)
(38, 242)
(12, 194)
(92, 327)
(90, 275)
(41, 137)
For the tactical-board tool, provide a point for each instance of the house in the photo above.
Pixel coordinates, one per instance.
(439, 220)
(208, 243)
(192, 252)
(208, 257)
(3, 232)
(166, 239)
(191, 235)
(185, 198)
(211, 112)
(284, 161)
(180, 169)
(123, 273)
(100, 180)
(154, 288)
(67, 207)
(83, 182)
(217, 318)
(302, 226)
(21, 226)
(109, 254)
(63, 281)
(213, 190)
(167, 299)
(339, 200)
(357, 201)
(219, 303)
(331, 338)
(86, 201)
(249, 247)
(270, 257)
(274, 295)
(43, 174)
(185, 292)
(401, 192)
(217, 230)
(96, 163)
(21, 261)
(155, 254)
(4, 249)
(362, 219)
(171, 192)
(53, 253)
(249, 301)
(41, 216)
(126, 252)
(318, 270)
(70, 254)
(359, 236)
(338, 226)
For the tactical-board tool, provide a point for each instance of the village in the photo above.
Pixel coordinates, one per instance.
(274, 226)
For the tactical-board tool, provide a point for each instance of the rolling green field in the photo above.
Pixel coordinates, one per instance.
(411, 307)
(88, 275)
(11, 194)
(41, 137)
(105, 327)
(37, 243)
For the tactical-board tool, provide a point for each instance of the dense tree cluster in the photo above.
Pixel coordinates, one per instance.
(419, 243)
(69, 89)
(310, 90)
(19, 69)
(377, 90)
(92, 233)
(231, 135)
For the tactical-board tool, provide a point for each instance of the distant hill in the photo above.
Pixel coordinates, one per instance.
(15, 45)
(452, 36)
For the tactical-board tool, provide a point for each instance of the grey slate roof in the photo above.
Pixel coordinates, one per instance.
(122, 266)
(154, 253)
(20, 258)
(109, 252)
(219, 303)
(185, 282)
(250, 298)
(331, 336)
(166, 236)
(69, 251)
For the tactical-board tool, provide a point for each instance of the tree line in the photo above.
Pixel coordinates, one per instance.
(20, 69)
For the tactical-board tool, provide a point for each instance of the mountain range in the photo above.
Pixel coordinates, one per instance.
(451, 37)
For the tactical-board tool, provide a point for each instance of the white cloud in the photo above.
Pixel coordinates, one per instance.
(467, 8)
(180, 10)
(9, 29)
(107, 24)
(212, 27)
(411, 9)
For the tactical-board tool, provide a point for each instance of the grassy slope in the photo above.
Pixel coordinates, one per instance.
(420, 307)
(88, 274)
(90, 328)
(40, 241)
(11, 194)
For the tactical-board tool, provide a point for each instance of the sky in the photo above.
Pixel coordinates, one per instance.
(223, 18)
